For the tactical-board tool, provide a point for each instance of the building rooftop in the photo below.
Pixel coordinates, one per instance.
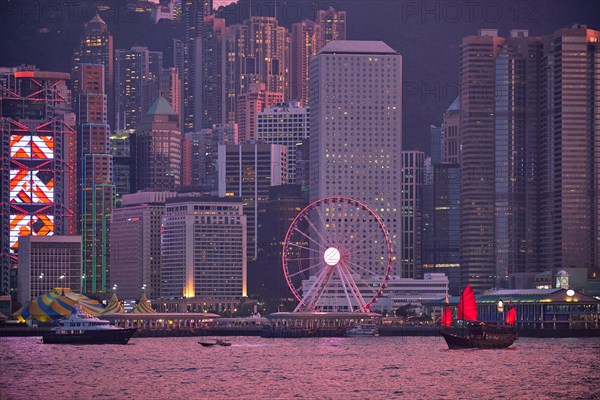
(161, 107)
(455, 106)
(357, 47)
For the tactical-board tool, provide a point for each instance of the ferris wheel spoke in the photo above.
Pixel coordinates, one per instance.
(326, 232)
(366, 283)
(321, 246)
(341, 275)
(318, 282)
(301, 259)
(303, 247)
(357, 293)
(361, 267)
(322, 287)
(314, 228)
(304, 270)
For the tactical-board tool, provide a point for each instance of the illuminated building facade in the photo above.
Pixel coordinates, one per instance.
(286, 124)
(203, 248)
(96, 174)
(37, 143)
(96, 47)
(356, 128)
(247, 171)
(250, 103)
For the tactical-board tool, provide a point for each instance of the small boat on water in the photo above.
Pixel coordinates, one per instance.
(218, 342)
(82, 328)
(468, 333)
(365, 329)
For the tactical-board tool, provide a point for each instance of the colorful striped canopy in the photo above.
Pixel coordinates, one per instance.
(57, 304)
(114, 306)
(143, 306)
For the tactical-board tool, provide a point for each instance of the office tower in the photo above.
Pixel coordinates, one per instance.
(213, 102)
(137, 74)
(250, 103)
(498, 132)
(258, 52)
(135, 244)
(265, 276)
(157, 149)
(333, 25)
(95, 164)
(203, 248)
(193, 13)
(170, 89)
(96, 47)
(204, 154)
(246, 172)
(412, 183)
(48, 262)
(38, 155)
(570, 150)
(305, 45)
(356, 128)
(286, 124)
(450, 147)
(120, 149)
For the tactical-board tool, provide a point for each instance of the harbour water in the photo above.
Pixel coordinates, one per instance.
(313, 368)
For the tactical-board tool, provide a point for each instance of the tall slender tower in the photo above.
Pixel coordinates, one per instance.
(193, 14)
(96, 47)
(356, 127)
(37, 158)
(96, 172)
(570, 150)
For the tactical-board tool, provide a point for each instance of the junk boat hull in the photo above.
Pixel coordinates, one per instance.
(485, 341)
(112, 336)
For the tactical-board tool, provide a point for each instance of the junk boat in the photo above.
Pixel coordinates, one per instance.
(82, 328)
(219, 342)
(468, 333)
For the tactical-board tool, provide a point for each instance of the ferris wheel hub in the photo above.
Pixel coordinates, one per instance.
(332, 256)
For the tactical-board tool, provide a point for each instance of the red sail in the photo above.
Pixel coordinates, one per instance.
(467, 305)
(511, 316)
(447, 317)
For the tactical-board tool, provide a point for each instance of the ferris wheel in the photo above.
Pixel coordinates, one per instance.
(337, 255)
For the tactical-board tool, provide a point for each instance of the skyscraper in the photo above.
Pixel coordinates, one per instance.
(570, 150)
(157, 156)
(213, 102)
(37, 144)
(249, 104)
(137, 75)
(286, 124)
(356, 128)
(193, 14)
(450, 145)
(333, 25)
(412, 184)
(96, 47)
(95, 173)
(247, 171)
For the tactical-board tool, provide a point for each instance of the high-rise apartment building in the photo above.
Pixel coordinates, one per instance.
(356, 128)
(286, 124)
(38, 158)
(95, 164)
(246, 172)
(157, 149)
(96, 47)
(333, 25)
(120, 149)
(193, 13)
(135, 256)
(213, 104)
(137, 84)
(412, 184)
(203, 251)
(249, 104)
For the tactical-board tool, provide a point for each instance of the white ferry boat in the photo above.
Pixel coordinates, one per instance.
(82, 328)
(366, 329)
